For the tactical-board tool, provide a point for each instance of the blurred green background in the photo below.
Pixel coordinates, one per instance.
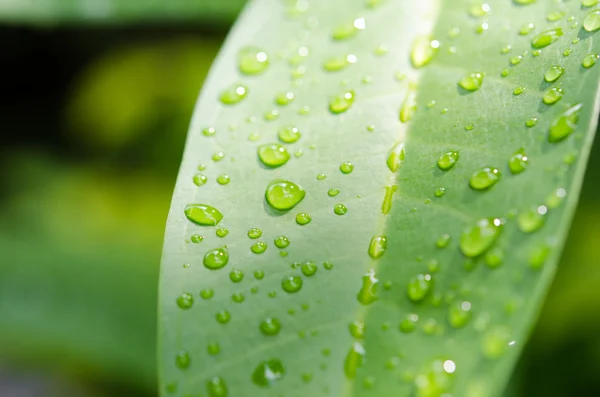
(93, 124)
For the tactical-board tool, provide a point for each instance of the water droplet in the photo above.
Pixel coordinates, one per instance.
(495, 342)
(309, 268)
(423, 50)
(340, 209)
(591, 22)
(409, 105)
(477, 239)
(447, 160)
(238, 297)
(233, 94)
(494, 258)
(303, 219)
(538, 256)
(518, 91)
(354, 359)
(565, 124)
(270, 326)
(197, 239)
(284, 98)
(418, 287)
(532, 219)
(504, 73)
(357, 329)
(288, 134)
(368, 290)
(284, 195)
(589, 3)
(223, 179)
(213, 348)
(526, 29)
(281, 242)
(273, 155)
(203, 214)
(185, 300)
(291, 284)
(222, 232)
(409, 324)
(531, 122)
(459, 314)
(553, 73)
(386, 206)
(321, 177)
(333, 192)
(341, 103)
(218, 156)
(472, 81)
(223, 317)
(556, 198)
(182, 359)
(216, 387)
(259, 247)
(546, 38)
(200, 179)
(395, 157)
(236, 275)
(552, 95)
(252, 61)
(349, 29)
(439, 192)
(442, 241)
(484, 178)
(216, 259)
(335, 64)
(435, 379)
(271, 115)
(207, 293)
(518, 162)
(377, 246)
(554, 16)
(590, 60)
(346, 167)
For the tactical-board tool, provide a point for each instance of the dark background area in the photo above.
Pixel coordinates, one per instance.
(93, 123)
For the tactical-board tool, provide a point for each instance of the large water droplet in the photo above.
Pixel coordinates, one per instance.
(447, 160)
(423, 50)
(203, 214)
(472, 81)
(590, 60)
(377, 246)
(273, 155)
(309, 268)
(216, 259)
(368, 291)
(565, 124)
(477, 239)
(233, 94)
(591, 22)
(552, 95)
(252, 60)
(553, 73)
(354, 359)
(484, 178)
(284, 195)
(341, 103)
(546, 38)
(418, 287)
(292, 284)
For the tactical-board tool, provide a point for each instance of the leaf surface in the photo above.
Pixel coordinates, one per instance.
(428, 277)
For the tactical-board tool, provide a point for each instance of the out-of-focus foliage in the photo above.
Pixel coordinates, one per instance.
(119, 11)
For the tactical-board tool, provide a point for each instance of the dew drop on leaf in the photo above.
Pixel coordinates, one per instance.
(252, 61)
(284, 195)
(552, 95)
(556, 198)
(341, 103)
(197, 239)
(357, 329)
(518, 90)
(223, 317)
(259, 247)
(213, 348)
(484, 178)
(565, 124)
(439, 192)
(368, 290)
(409, 324)
(284, 98)
(395, 157)
(590, 60)
(459, 314)
(546, 38)
(423, 51)
(223, 179)
(494, 258)
(531, 122)
(308, 268)
(589, 3)
(185, 300)
(591, 22)
(354, 359)
(207, 293)
(532, 219)
(447, 160)
(495, 342)
(518, 162)
(216, 387)
(472, 81)
(203, 214)
(377, 246)
(216, 258)
(281, 242)
(273, 155)
(303, 218)
(442, 241)
(418, 287)
(200, 179)
(233, 94)
(340, 209)
(270, 326)
(435, 379)
(291, 284)
(346, 167)
(236, 275)
(288, 134)
(553, 73)
(477, 239)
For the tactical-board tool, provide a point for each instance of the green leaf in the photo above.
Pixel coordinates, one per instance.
(118, 11)
(434, 179)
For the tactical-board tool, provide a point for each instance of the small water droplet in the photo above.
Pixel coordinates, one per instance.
(368, 290)
(377, 246)
(182, 359)
(494, 258)
(477, 239)
(203, 214)
(223, 179)
(309, 268)
(284, 98)
(200, 179)
(213, 348)
(346, 167)
(591, 22)
(546, 38)
(268, 372)
(459, 314)
(303, 218)
(332, 192)
(223, 317)
(439, 192)
(538, 256)
(252, 61)
(238, 297)
(357, 329)
(472, 81)
(340, 209)
(442, 241)
(418, 287)
(216, 387)
(495, 342)
(273, 155)
(233, 94)
(222, 232)
(386, 206)
(218, 156)
(556, 198)
(291, 284)
(565, 124)
(518, 90)
(526, 29)
(552, 95)
(484, 178)
(396, 157)
(197, 239)
(532, 219)
(236, 275)
(281, 242)
(553, 73)
(207, 293)
(409, 105)
(341, 103)
(216, 258)
(589, 3)
(185, 300)
(531, 122)
(259, 247)
(435, 379)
